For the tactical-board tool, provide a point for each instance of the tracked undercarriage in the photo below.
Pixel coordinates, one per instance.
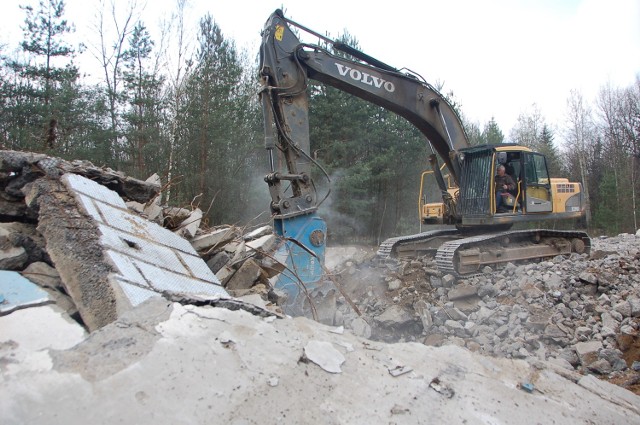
(463, 255)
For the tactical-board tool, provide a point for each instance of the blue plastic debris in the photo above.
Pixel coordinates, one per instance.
(527, 386)
(18, 292)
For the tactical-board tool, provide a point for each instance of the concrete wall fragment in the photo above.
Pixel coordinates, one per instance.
(109, 259)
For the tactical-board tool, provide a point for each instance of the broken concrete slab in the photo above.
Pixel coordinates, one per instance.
(246, 276)
(190, 225)
(325, 355)
(263, 244)
(17, 292)
(13, 258)
(44, 275)
(214, 238)
(258, 233)
(27, 334)
(109, 259)
(256, 353)
(24, 167)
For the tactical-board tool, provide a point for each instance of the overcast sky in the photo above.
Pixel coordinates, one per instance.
(499, 57)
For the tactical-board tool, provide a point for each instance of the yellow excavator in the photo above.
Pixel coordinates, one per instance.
(478, 234)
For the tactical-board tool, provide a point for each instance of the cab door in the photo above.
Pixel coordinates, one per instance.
(537, 184)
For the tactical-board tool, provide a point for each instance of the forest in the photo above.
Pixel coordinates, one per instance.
(195, 120)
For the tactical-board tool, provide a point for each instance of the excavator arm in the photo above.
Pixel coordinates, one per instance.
(286, 65)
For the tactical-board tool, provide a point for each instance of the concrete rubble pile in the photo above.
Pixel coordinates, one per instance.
(115, 308)
(580, 312)
(97, 241)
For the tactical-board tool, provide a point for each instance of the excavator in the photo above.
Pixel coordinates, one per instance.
(477, 233)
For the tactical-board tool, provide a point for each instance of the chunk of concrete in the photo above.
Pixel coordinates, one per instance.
(43, 274)
(460, 292)
(13, 258)
(190, 225)
(258, 233)
(246, 276)
(109, 259)
(588, 351)
(324, 355)
(213, 239)
(263, 244)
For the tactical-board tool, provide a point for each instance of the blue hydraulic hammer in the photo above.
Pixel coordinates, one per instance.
(302, 253)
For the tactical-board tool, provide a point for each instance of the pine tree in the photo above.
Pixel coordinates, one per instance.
(44, 75)
(546, 147)
(492, 135)
(143, 116)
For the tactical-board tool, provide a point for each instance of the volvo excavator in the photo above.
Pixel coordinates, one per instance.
(478, 233)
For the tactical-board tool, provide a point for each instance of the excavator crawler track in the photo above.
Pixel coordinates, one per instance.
(466, 257)
(463, 255)
(416, 245)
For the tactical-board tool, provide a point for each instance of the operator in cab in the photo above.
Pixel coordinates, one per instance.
(504, 186)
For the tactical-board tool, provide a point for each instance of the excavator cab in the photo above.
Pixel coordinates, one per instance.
(534, 196)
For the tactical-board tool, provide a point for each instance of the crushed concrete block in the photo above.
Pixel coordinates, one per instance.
(13, 258)
(461, 292)
(135, 206)
(109, 259)
(271, 267)
(17, 292)
(28, 333)
(263, 244)
(153, 211)
(258, 233)
(240, 253)
(224, 274)
(26, 236)
(246, 276)
(254, 299)
(43, 274)
(588, 351)
(214, 239)
(218, 261)
(190, 225)
(324, 355)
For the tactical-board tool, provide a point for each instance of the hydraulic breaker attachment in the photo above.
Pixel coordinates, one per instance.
(302, 252)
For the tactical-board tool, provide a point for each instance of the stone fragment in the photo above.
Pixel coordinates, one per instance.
(361, 328)
(218, 261)
(263, 245)
(324, 355)
(258, 233)
(13, 258)
(502, 331)
(624, 308)
(44, 275)
(271, 267)
(448, 280)
(634, 303)
(589, 278)
(395, 284)
(422, 308)
(460, 292)
(190, 225)
(601, 367)
(246, 276)
(394, 316)
(588, 351)
(225, 273)
(214, 239)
